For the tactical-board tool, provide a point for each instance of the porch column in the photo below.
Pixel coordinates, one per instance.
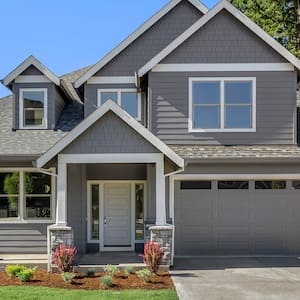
(61, 203)
(160, 193)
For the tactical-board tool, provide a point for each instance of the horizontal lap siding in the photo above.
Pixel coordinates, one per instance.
(275, 97)
(23, 238)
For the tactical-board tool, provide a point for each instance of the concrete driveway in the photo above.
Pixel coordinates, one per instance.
(237, 278)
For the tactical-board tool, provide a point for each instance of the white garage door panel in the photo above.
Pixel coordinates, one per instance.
(236, 221)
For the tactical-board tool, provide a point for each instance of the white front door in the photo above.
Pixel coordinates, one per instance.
(117, 215)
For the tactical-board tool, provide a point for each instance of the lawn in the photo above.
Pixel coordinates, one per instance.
(43, 293)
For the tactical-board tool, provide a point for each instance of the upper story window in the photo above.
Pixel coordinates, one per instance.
(222, 104)
(128, 99)
(33, 108)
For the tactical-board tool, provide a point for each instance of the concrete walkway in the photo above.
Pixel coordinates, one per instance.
(237, 278)
(39, 260)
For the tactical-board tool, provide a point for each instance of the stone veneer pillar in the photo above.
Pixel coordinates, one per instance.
(163, 235)
(58, 235)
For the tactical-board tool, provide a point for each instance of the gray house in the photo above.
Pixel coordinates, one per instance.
(187, 131)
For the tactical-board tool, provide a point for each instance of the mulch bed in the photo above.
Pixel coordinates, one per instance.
(82, 282)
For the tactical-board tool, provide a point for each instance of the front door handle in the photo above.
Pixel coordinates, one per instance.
(105, 221)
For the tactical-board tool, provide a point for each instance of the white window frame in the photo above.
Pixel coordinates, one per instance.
(222, 81)
(119, 98)
(21, 110)
(22, 199)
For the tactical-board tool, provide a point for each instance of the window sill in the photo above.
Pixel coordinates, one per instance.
(17, 221)
(223, 130)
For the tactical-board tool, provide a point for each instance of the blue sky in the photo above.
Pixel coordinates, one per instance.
(68, 34)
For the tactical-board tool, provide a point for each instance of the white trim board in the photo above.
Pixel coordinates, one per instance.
(32, 79)
(31, 60)
(244, 67)
(131, 38)
(223, 4)
(112, 80)
(95, 116)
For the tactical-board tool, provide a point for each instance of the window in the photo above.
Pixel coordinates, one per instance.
(128, 99)
(195, 185)
(26, 195)
(296, 185)
(33, 108)
(222, 104)
(139, 212)
(95, 212)
(270, 185)
(233, 185)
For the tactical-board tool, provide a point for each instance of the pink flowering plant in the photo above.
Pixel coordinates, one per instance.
(153, 255)
(63, 257)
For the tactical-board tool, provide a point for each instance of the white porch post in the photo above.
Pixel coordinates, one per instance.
(61, 206)
(160, 192)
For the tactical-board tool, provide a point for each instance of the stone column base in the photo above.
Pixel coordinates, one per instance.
(58, 235)
(163, 235)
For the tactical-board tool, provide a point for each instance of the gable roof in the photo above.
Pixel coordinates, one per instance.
(95, 116)
(31, 60)
(223, 4)
(131, 38)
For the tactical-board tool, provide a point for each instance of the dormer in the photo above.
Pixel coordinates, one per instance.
(38, 97)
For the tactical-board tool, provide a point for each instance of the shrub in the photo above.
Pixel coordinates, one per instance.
(68, 277)
(26, 274)
(153, 255)
(63, 257)
(13, 270)
(129, 270)
(106, 281)
(145, 275)
(111, 270)
(90, 273)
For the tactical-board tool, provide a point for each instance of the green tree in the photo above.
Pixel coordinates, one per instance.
(279, 18)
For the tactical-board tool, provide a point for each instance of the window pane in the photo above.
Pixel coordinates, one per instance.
(33, 99)
(95, 212)
(38, 207)
(206, 117)
(9, 207)
(238, 117)
(105, 96)
(206, 92)
(9, 183)
(270, 185)
(129, 103)
(233, 185)
(37, 183)
(238, 92)
(33, 117)
(296, 185)
(139, 212)
(195, 185)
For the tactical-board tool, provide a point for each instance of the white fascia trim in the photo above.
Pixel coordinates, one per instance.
(276, 176)
(32, 79)
(96, 115)
(206, 18)
(125, 43)
(31, 60)
(112, 80)
(223, 67)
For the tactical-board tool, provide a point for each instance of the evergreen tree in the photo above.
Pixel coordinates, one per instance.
(279, 18)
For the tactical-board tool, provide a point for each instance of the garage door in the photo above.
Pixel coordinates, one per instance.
(237, 217)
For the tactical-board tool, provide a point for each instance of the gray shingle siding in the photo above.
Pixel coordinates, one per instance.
(31, 70)
(109, 135)
(152, 41)
(275, 98)
(59, 103)
(224, 40)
